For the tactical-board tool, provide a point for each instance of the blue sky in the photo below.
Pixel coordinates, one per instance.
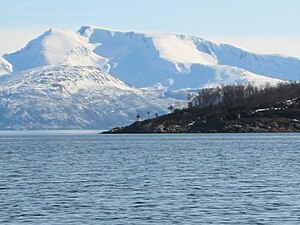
(258, 25)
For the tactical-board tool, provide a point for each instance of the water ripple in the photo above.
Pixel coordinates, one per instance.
(150, 179)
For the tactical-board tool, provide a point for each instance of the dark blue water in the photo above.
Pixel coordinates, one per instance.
(150, 179)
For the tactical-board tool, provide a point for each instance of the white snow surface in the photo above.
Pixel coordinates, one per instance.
(73, 97)
(231, 75)
(180, 51)
(5, 67)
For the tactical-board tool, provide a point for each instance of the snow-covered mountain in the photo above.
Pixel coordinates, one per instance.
(73, 97)
(177, 61)
(5, 67)
(61, 79)
(184, 61)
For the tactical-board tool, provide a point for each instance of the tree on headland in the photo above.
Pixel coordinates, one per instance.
(171, 108)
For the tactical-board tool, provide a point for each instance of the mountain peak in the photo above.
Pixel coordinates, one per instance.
(55, 47)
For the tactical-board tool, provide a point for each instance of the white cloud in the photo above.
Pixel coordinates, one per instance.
(289, 46)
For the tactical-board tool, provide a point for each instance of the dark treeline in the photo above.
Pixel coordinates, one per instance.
(247, 96)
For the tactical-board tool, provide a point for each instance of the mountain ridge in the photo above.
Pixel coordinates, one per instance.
(274, 66)
(177, 61)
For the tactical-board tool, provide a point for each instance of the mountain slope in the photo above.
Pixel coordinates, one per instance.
(77, 97)
(276, 66)
(5, 67)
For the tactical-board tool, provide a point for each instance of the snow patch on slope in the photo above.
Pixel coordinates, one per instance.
(5, 67)
(180, 50)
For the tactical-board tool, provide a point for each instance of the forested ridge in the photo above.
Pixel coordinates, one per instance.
(229, 109)
(248, 96)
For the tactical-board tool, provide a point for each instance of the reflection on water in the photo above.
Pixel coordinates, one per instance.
(150, 179)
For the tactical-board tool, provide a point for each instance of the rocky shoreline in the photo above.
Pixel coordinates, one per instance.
(283, 117)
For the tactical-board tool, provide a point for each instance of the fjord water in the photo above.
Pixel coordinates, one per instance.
(149, 179)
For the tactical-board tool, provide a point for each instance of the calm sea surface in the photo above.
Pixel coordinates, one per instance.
(73, 178)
